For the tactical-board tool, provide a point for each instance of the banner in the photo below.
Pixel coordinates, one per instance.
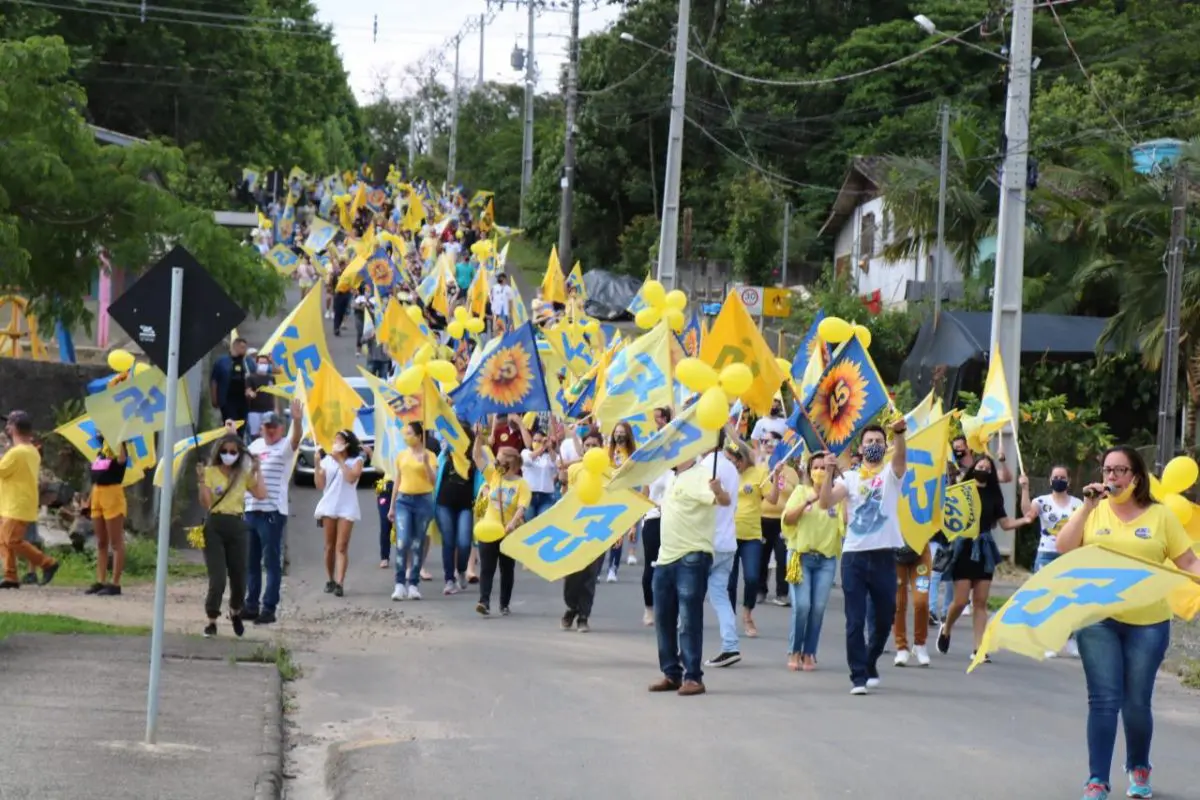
(734, 338)
(961, 511)
(508, 380)
(283, 259)
(637, 380)
(848, 396)
(682, 439)
(923, 487)
(298, 345)
(136, 407)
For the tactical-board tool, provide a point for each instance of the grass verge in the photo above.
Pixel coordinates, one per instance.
(141, 557)
(12, 622)
(1189, 673)
(278, 655)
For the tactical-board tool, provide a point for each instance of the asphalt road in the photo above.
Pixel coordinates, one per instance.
(426, 699)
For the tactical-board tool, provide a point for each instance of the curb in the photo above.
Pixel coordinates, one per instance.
(269, 783)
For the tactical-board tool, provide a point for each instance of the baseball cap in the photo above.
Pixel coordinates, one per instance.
(20, 420)
(271, 418)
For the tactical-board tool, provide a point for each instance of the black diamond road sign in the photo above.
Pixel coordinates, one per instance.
(207, 316)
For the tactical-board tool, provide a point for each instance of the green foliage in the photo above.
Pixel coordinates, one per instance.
(13, 622)
(1123, 390)
(752, 234)
(1052, 432)
(639, 245)
(141, 554)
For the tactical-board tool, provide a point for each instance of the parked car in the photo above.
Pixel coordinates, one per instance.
(306, 461)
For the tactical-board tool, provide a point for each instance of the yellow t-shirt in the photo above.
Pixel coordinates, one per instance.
(19, 470)
(790, 481)
(218, 484)
(411, 469)
(816, 530)
(1154, 535)
(748, 519)
(505, 496)
(689, 516)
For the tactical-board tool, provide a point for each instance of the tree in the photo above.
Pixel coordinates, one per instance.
(63, 196)
(752, 235)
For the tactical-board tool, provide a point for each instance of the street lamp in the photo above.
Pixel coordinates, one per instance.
(1162, 157)
(929, 27)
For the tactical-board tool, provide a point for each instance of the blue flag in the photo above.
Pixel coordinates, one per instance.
(804, 351)
(800, 431)
(508, 380)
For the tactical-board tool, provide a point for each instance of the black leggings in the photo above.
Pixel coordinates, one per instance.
(489, 558)
(651, 539)
(225, 554)
(773, 536)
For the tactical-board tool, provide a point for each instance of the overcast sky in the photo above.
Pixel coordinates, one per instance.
(404, 38)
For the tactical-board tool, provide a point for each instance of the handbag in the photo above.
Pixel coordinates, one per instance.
(195, 534)
(943, 559)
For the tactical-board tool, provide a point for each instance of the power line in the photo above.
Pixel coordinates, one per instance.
(1087, 75)
(762, 171)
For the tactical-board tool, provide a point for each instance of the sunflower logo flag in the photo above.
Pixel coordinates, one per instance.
(848, 396)
(923, 487)
(508, 380)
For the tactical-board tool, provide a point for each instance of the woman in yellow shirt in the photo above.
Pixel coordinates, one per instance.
(412, 510)
(780, 485)
(814, 539)
(621, 446)
(230, 474)
(748, 527)
(508, 497)
(1121, 655)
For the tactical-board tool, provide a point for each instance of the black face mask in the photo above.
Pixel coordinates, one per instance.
(981, 475)
(959, 455)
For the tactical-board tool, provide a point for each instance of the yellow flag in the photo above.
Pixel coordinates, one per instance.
(554, 288)
(83, 435)
(360, 200)
(994, 409)
(921, 415)
(1075, 590)
(477, 293)
(734, 339)
(414, 215)
(679, 440)
(637, 380)
(182, 448)
(575, 282)
(298, 345)
(283, 259)
(923, 487)
(330, 405)
(400, 335)
(443, 420)
(571, 535)
(568, 341)
(389, 428)
(320, 234)
(961, 511)
(136, 407)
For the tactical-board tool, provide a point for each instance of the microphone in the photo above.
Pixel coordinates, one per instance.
(1108, 489)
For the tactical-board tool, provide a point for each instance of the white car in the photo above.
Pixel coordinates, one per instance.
(307, 458)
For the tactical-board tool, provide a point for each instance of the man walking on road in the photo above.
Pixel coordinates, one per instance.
(20, 468)
(724, 550)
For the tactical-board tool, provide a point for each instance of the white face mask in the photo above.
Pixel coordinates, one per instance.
(339, 447)
(263, 369)
(229, 459)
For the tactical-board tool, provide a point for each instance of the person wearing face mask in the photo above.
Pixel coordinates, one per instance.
(412, 510)
(579, 588)
(620, 447)
(775, 423)
(748, 529)
(508, 497)
(539, 467)
(260, 402)
(1122, 654)
(868, 555)
(337, 479)
(231, 474)
(965, 460)
(781, 483)
(109, 507)
(974, 560)
(1052, 510)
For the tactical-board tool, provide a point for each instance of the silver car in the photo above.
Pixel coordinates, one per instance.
(306, 460)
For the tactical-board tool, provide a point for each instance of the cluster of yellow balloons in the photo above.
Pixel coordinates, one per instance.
(123, 361)
(409, 381)
(462, 323)
(836, 330)
(488, 530)
(1178, 476)
(591, 478)
(716, 388)
(661, 304)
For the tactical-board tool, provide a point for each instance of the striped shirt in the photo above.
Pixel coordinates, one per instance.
(276, 463)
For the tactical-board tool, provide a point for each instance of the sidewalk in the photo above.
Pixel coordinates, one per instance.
(75, 718)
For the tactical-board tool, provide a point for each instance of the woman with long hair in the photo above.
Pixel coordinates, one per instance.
(108, 516)
(412, 510)
(780, 485)
(1121, 655)
(337, 477)
(621, 446)
(454, 498)
(748, 526)
(1052, 510)
(974, 560)
(508, 497)
(231, 473)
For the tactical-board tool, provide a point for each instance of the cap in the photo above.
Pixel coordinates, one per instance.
(20, 420)
(271, 418)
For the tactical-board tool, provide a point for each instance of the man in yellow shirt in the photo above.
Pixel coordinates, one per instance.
(19, 469)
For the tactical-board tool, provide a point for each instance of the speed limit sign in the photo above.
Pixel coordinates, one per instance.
(752, 299)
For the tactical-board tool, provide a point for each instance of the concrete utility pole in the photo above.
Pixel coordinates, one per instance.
(938, 275)
(453, 157)
(567, 216)
(1169, 380)
(787, 228)
(1010, 240)
(530, 91)
(669, 236)
(482, 30)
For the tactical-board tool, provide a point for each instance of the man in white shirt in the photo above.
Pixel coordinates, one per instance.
(502, 299)
(724, 549)
(868, 554)
(266, 519)
(775, 423)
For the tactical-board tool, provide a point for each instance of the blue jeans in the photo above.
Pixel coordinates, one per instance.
(1042, 559)
(679, 589)
(808, 602)
(457, 526)
(265, 538)
(868, 574)
(939, 605)
(539, 503)
(718, 597)
(413, 514)
(749, 555)
(1119, 663)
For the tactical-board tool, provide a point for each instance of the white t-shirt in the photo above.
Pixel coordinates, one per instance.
(656, 491)
(538, 471)
(871, 522)
(276, 461)
(725, 535)
(768, 425)
(340, 499)
(502, 299)
(1053, 517)
(568, 452)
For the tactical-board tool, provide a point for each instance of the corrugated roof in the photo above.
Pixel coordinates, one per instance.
(860, 185)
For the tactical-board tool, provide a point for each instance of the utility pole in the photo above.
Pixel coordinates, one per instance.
(787, 227)
(941, 221)
(527, 141)
(482, 28)
(669, 235)
(567, 216)
(1010, 240)
(1169, 379)
(412, 141)
(453, 117)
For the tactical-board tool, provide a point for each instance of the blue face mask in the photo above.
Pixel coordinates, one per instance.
(873, 453)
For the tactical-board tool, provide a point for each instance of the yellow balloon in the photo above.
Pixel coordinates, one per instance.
(834, 330)
(596, 461)
(863, 334)
(139, 368)
(1156, 488)
(449, 386)
(695, 374)
(460, 314)
(1179, 506)
(415, 314)
(675, 319)
(648, 317)
(455, 329)
(712, 409)
(488, 530)
(589, 487)
(676, 299)
(120, 360)
(474, 325)
(654, 294)
(784, 365)
(528, 419)
(424, 354)
(1179, 474)
(409, 381)
(590, 326)
(736, 379)
(442, 371)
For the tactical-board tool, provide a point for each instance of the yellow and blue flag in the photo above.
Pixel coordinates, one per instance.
(734, 338)
(440, 418)
(923, 487)
(182, 448)
(508, 380)
(575, 284)
(320, 234)
(692, 335)
(136, 407)
(811, 343)
(639, 300)
(400, 334)
(330, 404)
(679, 440)
(83, 435)
(386, 426)
(994, 409)
(637, 380)
(848, 396)
(961, 511)
(922, 414)
(570, 342)
(298, 345)
(283, 259)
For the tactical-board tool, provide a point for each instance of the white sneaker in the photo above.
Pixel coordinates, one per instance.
(414, 593)
(902, 657)
(859, 690)
(612, 575)
(450, 588)
(922, 655)
(873, 683)
(1051, 654)
(967, 610)
(1072, 648)
(399, 593)
(648, 617)
(631, 560)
